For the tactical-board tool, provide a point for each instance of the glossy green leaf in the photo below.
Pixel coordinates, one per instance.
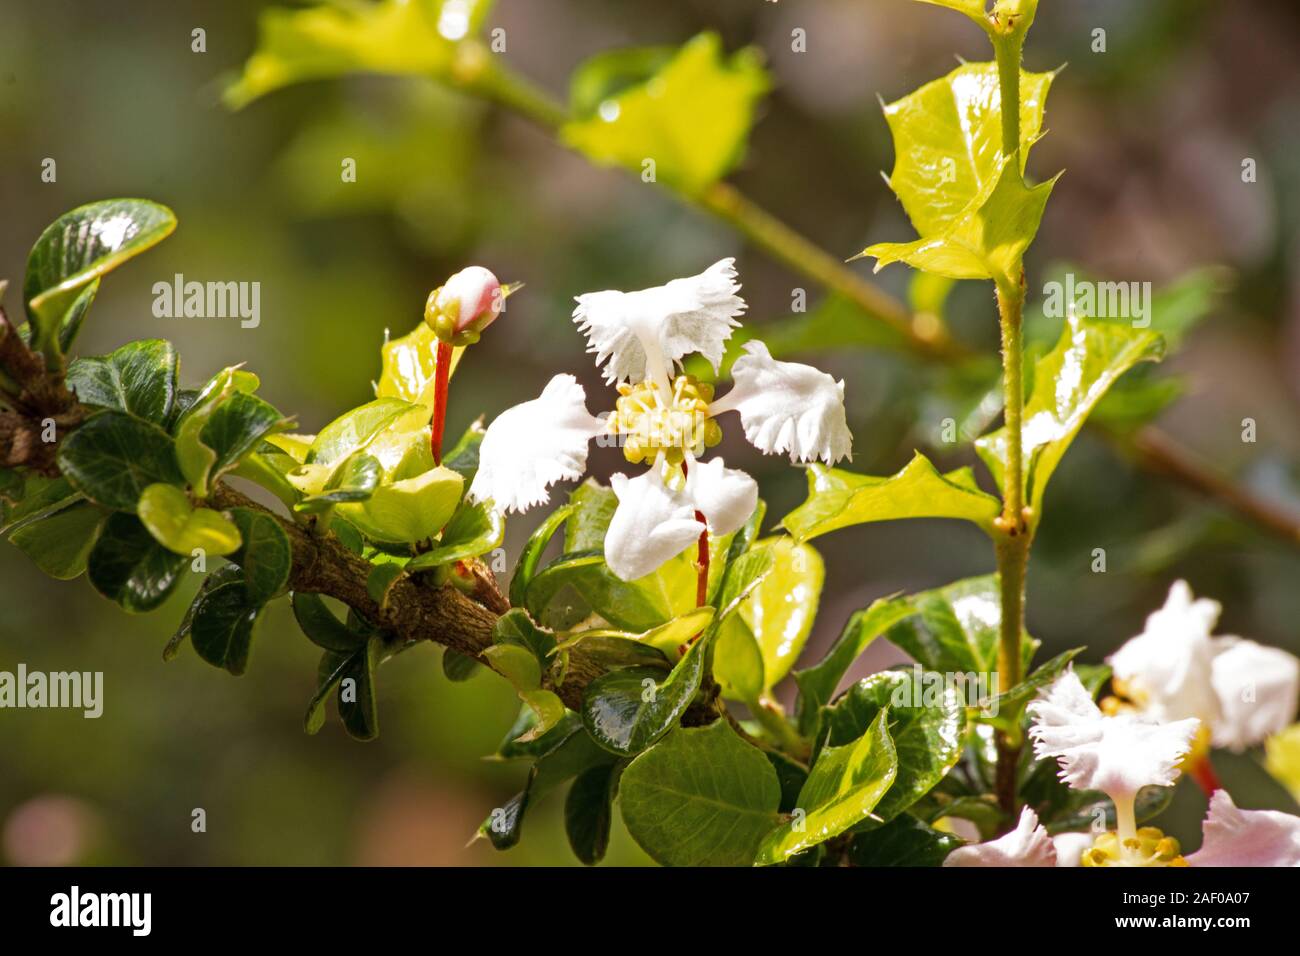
(903, 841)
(987, 241)
(593, 508)
(948, 142)
(817, 684)
(74, 252)
(321, 626)
(410, 366)
(1010, 703)
(407, 511)
(166, 511)
(222, 626)
(838, 498)
(463, 456)
(927, 723)
(531, 556)
(353, 431)
(128, 566)
(265, 555)
(113, 457)
(234, 429)
(473, 530)
(139, 379)
(773, 622)
(516, 664)
(60, 544)
(1068, 383)
(842, 790)
(627, 710)
(516, 628)
(353, 480)
(225, 574)
(703, 797)
(561, 755)
(691, 117)
(194, 455)
(39, 497)
(953, 629)
(353, 675)
(396, 37)
(457, 667)
(589, 812)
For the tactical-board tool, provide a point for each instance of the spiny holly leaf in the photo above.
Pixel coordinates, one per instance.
(74, 252)
(178, 526)
(703, 797)
(759, 643)
(691, 117)
(1068, 383)
(114, 456)
(927, 722)
(986, 241)
(838, 498)
(948, 142)
(843, 788)
(128, 566)
(60, 543)
(399, 37)
(139, 379)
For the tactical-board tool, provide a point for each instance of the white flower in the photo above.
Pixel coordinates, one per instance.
(1027, 845)
(1070, 847)
(639, 335)
(1175, 669)
(1233, 837)
(531, 446)
(1117, 755)
(664, 419)
(788, 407)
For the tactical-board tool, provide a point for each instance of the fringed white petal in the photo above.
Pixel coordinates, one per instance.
(638, 335)
(1070, 847)
(725, 496)
(1167, 668)
(1258, 689)
(651, 524)
(533, 445)
(1027, 845)
(788, 407)
(1233, 837)
(1116, 755)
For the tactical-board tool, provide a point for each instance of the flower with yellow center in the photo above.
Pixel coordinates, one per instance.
(664, 419)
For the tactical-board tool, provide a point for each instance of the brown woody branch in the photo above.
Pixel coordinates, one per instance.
(415, 609)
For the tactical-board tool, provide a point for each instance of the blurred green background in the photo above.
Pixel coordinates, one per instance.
(1152, 134)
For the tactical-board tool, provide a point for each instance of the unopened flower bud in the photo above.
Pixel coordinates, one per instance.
(464, 306)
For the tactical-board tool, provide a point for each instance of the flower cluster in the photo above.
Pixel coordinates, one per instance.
(663, 418)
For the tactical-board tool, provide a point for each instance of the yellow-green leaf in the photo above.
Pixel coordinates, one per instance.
(687, 122)
(409, 365)
(401, 37)
(838, 498)
(1068, 383)
(986, 241)
(176, 525)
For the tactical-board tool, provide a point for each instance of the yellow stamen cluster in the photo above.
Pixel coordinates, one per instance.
(649, 426)
(1149, 848)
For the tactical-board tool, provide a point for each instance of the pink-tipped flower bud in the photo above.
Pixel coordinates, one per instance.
(465, 305)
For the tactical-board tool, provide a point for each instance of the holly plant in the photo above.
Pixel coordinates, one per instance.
(648, 622)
